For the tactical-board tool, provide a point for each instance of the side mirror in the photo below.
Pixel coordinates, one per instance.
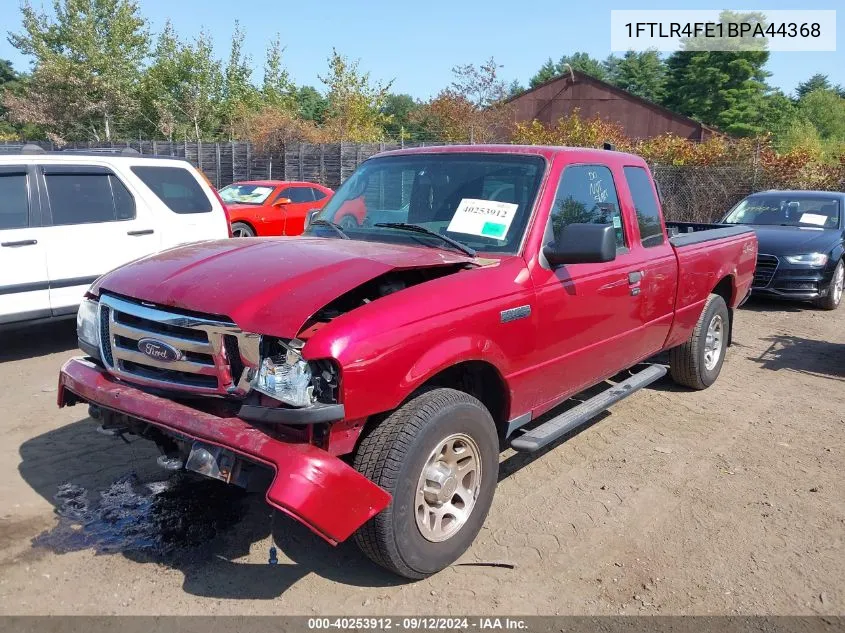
(309, 217)
(582, 244)
(280, 202)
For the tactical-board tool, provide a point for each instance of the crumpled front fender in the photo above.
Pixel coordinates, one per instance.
(310, 485)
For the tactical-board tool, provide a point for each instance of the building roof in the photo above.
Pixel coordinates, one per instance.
(578, 75)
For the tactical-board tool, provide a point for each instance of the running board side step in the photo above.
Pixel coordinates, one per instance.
(537, 438)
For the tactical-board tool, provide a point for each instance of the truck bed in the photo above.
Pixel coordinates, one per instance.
(686, 233)
(708, 254)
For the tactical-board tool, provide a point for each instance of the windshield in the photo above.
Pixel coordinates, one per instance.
(482, 201)
(246, 194)
(786, 211)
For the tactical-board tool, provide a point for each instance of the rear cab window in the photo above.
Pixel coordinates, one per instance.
(586, 194)
(176, 187)
(645, 205)
(86, 194)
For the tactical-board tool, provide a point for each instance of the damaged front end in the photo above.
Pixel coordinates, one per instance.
(309, 484)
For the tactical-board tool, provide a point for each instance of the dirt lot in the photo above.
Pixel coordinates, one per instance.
(723, 501)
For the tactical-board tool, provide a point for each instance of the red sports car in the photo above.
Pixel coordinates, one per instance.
(272, 207)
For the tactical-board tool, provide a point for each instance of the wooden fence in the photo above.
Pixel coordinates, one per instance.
(698, 194)
(224, 163)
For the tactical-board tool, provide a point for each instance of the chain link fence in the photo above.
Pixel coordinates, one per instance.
(691, 194)
(703, 194)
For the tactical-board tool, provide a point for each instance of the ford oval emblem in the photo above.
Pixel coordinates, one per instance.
(158, 350)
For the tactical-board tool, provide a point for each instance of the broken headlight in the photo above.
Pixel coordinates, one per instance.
(284, 375)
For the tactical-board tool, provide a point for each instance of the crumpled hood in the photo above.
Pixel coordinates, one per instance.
(265, 285)
(789, 240)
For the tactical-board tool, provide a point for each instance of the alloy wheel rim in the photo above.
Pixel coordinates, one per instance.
(448, 487)
(239, 233)
(713, 342)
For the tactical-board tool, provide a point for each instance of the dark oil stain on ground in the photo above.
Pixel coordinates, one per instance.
(159, 519)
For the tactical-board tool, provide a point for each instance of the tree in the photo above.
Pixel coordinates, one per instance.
(181, 89)
(399, 110)
(472, 109)
(278, 90)
(640, 73)
(583, 63)
(310, 104)
(240, 97)
(355, 104)
(480, 85)
(10, 82)
(547, 72)
(87, 61)
(816, 82)
(577, 61)
(721, 88)
(825, 109)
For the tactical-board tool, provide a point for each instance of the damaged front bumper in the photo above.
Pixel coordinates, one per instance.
(310, 485)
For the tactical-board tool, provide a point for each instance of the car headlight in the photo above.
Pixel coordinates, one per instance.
(808, 259)
(87, 322)
(286, 376)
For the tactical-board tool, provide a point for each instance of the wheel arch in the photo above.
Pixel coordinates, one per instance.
(726, 288)
(251, 226)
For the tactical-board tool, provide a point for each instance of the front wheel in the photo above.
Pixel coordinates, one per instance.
(697, 363)
(241, 229)
(833, 297)
(438, 456)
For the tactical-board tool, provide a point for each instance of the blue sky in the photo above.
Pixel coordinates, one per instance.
(417, 43)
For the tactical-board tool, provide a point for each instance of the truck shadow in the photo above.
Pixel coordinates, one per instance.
(765, 304)
(111, 497)
(803, 356)
(37, 340)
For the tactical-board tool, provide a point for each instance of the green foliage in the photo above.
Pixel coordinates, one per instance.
(721, 88)
(642, 74)
(310, 104)
(399, 111)
(278, 90)
(88, 61)
(240, 96)
(182, 88)
(817, 82)
(825, 109)
(355, 104)
(577, 61)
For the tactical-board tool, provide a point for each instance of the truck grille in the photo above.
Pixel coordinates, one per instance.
(185, 353)
(765, 270)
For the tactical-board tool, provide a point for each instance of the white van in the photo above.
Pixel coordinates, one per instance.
(68, 217)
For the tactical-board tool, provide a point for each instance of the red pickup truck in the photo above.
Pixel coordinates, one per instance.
(379, 369)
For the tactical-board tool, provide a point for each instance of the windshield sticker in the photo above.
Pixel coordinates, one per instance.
(813, 218)
(617, 222)
(485, 218)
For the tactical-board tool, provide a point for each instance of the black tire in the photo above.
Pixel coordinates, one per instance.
(393, 455)
(687, 364)
(241, 229)
(833, 298)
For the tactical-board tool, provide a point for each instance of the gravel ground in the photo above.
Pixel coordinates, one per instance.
(724, 501)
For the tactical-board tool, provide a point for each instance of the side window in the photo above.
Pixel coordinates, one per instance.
(298, 194)
(587, 195)
(645, 203)
(83, 195)
(318, 195)
(176, 187)
(14, 201)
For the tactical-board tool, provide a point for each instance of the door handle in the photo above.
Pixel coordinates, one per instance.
(142, 232)
(635, 277)
(20, 243)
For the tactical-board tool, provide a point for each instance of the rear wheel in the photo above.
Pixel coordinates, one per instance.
(438, 456)
(348, 222)
(833, 297)
(697, 363)
(239, 229)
